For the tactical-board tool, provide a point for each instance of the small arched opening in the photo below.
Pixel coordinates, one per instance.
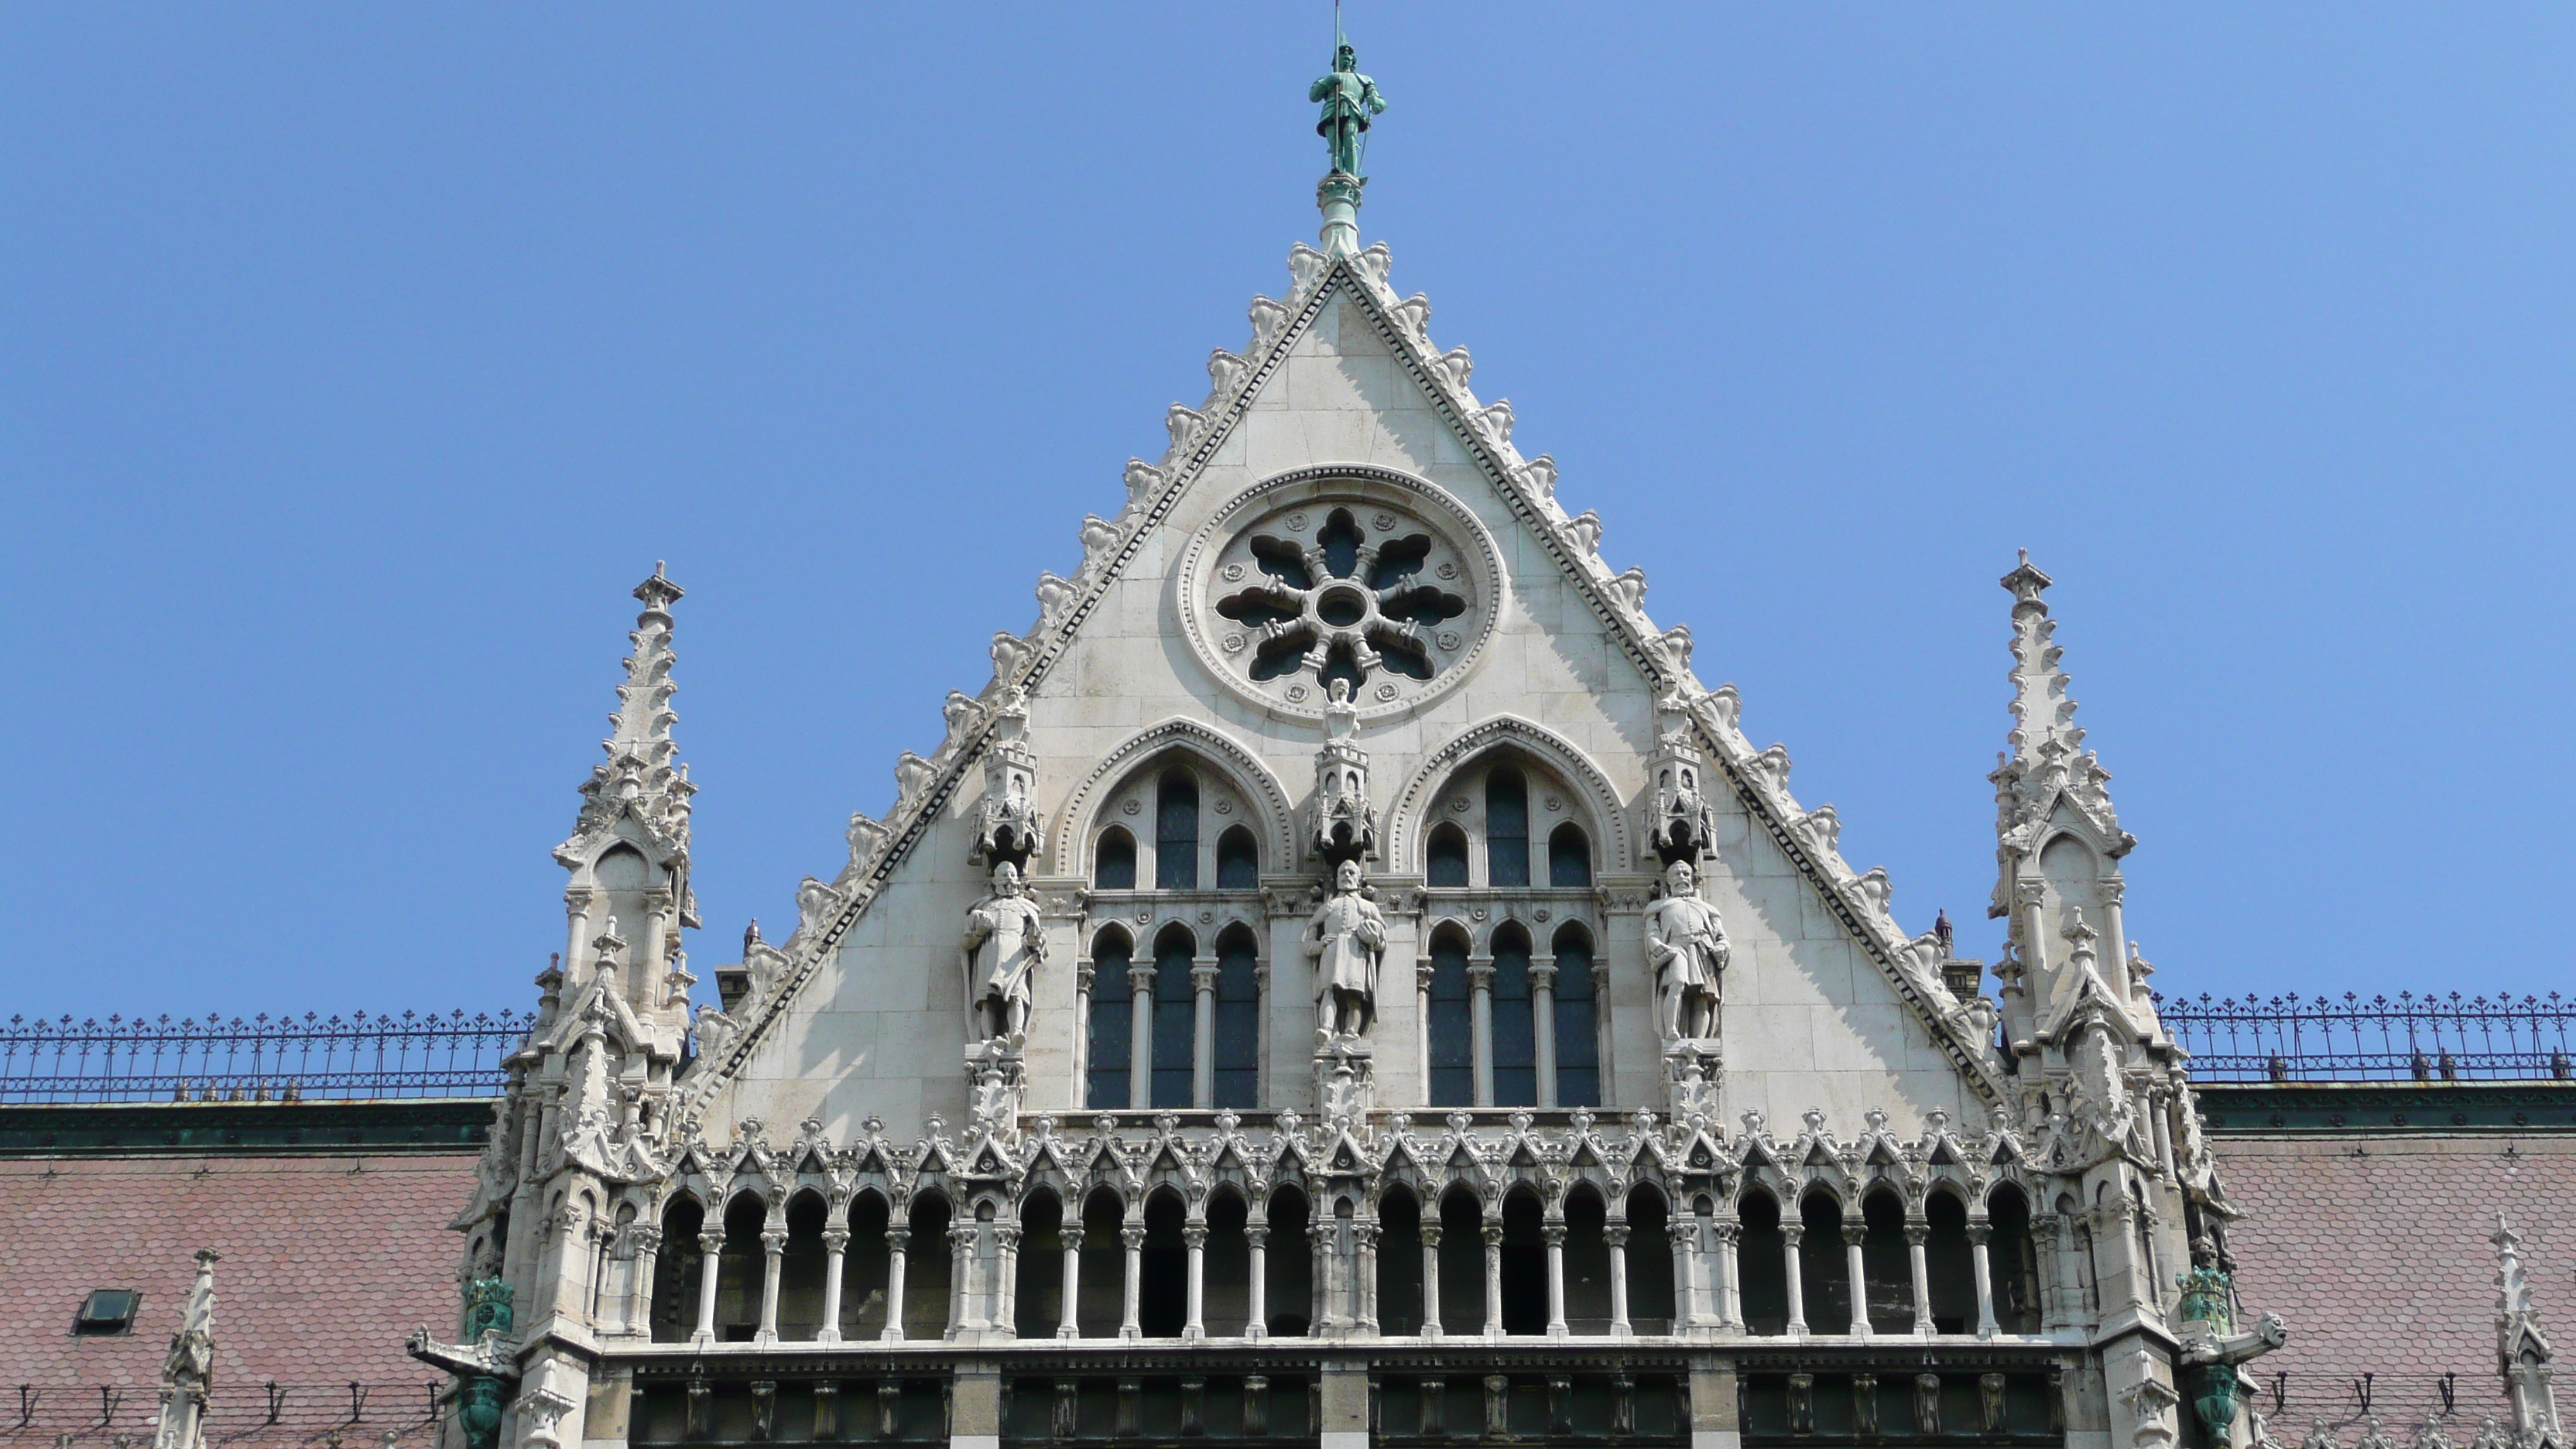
(678, 1262)
(1949, 1264)
(1113, 861)
(2012, 1265)
(1823, 1269)
(1569, 857)
(1102, 1307)
(1507, 852)
(1113, 1022)
(1650, 1261)
(1577, 1023)
(863, 1272)
(1289, 1266)
(1887, 1263)
(1399, 1262)
(1238, 860)
(1175, 1017)
(1163, 1299)
(1237, 1019)
(1450, 1024)
(1176, 832)
(1444, 861)
(1039, 1285)
(1587, 1261)
(1762, 1264)
(1524, 1264)
(801, 1262)
(929, 1264)
(1226, 1269)
(744, 1266)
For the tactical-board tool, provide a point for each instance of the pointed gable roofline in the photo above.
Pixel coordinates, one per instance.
(1528, 487)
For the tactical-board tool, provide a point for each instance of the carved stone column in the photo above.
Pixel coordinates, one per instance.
(1140, 1039)
(1916, 1234)
(1542, 977)
(1554, 1235)
(1129, 1326)
(1256, 1236)
(1364, 1240)
(1194, 1236)
(1682, 1231)
(1616, 1235)
(1790, 1233)
(1730, 1286)
(1203, 1038)
(897, 1241)
(1069, 1322)
(2044, 1229)
(1480, 998)
(1978, 1236)
(773, 1247)
(1430, 1280)
(836, 1244)
(1493, 1279)
(710, 1267)
(1852, 1235)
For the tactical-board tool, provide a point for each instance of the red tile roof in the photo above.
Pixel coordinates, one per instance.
(328, 1262)
(2375, 1250)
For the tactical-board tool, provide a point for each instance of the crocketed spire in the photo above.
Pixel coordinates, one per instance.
(643, 772)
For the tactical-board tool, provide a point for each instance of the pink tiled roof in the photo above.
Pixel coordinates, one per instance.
(2375, 1249)
(328, 1262)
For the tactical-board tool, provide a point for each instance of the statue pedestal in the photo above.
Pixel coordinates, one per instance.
(1345, 1080)
(996, 1076)
(1694, 1073)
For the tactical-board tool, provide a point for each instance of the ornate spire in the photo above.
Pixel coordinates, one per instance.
(1350, 101)
(643, 764)
(2522, 1352)
(189, 1372)
(2047, 761)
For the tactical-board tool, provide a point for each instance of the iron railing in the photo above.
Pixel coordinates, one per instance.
(2420, 1039)
(262, 1059)
(123, 1416)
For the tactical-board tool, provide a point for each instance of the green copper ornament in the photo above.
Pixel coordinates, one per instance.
(1350, 102)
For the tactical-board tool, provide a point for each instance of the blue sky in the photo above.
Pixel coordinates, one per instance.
(356, 361)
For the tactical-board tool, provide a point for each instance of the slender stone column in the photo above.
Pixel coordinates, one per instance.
(1069, 1322)
(1140, 1039)
(710, 1267)
(1006, 1279)
(1480, 999)
(1493, 1280)
(1683, 1235)
(1554, 1234)
(962, 1250)
(1542, 977)
(1730, 1286)
(1257, 1237)
(1203, 1039)
(1790, 1233)
(1616, 1235)
(1364, 1239)
(1194, 1236)
(773, 1248)
(1852, 1234)
(836, 1245)
(898, 1240)
(1128, 1325)
(2044, 1228)
(648, 1260)
(1915, 1234)
(1430, 1280)
(1978, 1234)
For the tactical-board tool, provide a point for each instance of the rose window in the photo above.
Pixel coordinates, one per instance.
(1353, 584)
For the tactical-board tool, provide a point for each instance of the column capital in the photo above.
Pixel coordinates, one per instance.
(1194, 1236)
(1203, 977)
(711, 1241)
(1071, 1238)
(1917, 1234)
(1480, 976)
(1542, 976)
(1008, 1236)
(836, 1239)
(1791, 1233)
(773, 1241)
(1134, 1238)
(1553, 1234)
(898, 1239)
(1430, 1235)
(1853, 1233)
(1979, 1234)
(1616, 1235)
(1727, 1232)
(1493, 1235)
(1258, 1237)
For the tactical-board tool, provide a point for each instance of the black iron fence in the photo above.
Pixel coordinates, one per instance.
(2422, 1039)
(329, 1416)
(259, 1059)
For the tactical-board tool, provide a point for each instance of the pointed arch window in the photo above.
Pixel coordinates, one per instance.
(1450, 1024)
(1445, 862)
(1577, 1023)
(1507, 855)
(1237, 1020)
(1569, 856)
(1238, 861)
(1175, 1017)
(1176, 832)
(1113, 865)
(1112, 1022)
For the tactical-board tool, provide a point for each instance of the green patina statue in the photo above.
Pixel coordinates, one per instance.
(1350, 102)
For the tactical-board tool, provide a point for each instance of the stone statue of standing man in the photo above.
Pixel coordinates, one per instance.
(1686, 945)
(1004, 943)
(1346, 939)
(1350, 102)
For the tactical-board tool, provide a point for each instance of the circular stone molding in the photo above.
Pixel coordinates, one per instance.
(1326, 575)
